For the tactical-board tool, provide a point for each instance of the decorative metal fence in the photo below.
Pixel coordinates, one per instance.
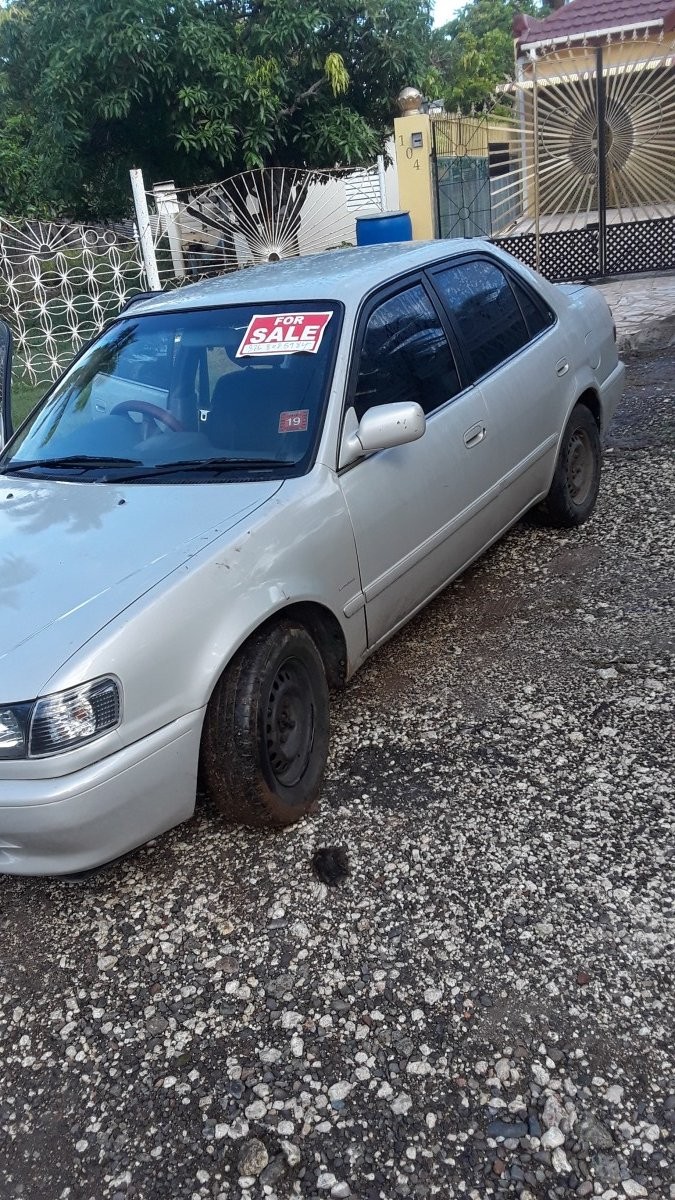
(59, 284)
(260, 216)
(572, 168)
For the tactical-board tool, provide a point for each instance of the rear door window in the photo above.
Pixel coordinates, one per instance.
(481, 303)
(536, 311)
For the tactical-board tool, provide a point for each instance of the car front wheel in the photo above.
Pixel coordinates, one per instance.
(576, 480)
(266, 730)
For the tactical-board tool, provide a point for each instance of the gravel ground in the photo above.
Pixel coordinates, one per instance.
(484, 1007)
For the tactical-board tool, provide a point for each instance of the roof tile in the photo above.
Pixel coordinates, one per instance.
(587, 16)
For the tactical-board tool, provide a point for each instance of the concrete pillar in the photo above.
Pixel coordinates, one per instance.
(414, 164)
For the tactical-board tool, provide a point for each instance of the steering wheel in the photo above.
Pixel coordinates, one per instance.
(149, 410)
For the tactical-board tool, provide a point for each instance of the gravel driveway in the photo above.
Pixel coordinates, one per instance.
(485, 1006)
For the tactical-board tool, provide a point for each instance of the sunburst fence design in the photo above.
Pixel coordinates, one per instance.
(639, 139)
(60, 283)
(581, 147)
(259, 216)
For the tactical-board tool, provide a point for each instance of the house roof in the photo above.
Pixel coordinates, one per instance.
(594, 16)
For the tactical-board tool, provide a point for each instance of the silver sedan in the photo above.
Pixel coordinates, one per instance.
(241, 489)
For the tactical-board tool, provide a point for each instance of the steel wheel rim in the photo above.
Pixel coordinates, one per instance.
(289, 723)
(580, 466)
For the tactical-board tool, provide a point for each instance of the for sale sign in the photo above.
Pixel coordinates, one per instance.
(283, 333)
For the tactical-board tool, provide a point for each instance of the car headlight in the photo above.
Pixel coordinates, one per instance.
(60, 722)
(14, 730)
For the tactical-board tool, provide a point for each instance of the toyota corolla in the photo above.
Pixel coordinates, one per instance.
(236, 493)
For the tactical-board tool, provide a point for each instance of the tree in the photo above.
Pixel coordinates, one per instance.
(473, 53)
(192, 90)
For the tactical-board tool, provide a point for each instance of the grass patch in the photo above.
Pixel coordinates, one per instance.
(25, 396)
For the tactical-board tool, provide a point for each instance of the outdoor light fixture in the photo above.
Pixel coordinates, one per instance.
(410, 101)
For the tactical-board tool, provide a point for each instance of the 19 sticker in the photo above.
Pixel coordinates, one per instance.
(295, 421)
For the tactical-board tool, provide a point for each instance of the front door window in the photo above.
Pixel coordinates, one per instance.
(405, 355)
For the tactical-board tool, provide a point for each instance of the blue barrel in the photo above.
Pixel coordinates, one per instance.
(374, 228)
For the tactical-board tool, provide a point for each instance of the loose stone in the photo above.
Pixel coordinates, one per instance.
(253, 1158)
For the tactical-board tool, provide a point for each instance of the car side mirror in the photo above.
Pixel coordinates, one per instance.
(5, 383)
(381, 428)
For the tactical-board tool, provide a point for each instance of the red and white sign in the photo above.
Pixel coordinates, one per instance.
(283, 333)
(295, 421)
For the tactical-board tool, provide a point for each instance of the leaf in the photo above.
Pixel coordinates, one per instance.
(336, 73)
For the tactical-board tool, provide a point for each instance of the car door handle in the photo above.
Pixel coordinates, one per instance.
(562, 366)
(474, 435)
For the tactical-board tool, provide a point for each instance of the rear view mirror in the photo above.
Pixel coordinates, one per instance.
(382, 427)
(5, 383)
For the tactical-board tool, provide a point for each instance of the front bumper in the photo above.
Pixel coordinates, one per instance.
(59, 826)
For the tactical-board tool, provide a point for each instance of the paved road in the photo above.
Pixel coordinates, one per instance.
(485, 1006)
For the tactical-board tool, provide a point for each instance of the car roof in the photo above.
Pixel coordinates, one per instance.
(342, 275)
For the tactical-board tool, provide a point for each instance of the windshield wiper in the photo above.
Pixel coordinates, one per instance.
(69, 460)
(206, 464)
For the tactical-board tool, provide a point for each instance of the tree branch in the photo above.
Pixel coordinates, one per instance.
(299, 100)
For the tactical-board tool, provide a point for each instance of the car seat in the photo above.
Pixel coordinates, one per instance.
(244, 412)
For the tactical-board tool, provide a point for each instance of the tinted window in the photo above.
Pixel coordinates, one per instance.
(405, 356)
(537, 314)
(480, 300)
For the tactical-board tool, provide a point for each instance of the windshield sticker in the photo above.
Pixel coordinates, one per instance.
(295, 421)
(283, 333)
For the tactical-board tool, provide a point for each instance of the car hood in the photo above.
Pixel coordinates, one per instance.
(75, 555)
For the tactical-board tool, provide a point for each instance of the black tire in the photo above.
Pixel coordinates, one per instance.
(266, 731)
(576, 480)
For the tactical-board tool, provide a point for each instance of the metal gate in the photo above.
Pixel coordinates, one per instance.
(463, 196)
(571, 170)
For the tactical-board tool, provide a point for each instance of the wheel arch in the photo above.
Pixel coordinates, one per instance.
(321, 624)
(584, 393)
(591, 400)
(559, 505)
(261, 724)
(325, 629)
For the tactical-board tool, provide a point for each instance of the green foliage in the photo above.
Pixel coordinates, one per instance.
(192, 90)
(25, 395)
(474, 53)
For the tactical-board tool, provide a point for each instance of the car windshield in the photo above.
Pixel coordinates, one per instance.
(187, 395)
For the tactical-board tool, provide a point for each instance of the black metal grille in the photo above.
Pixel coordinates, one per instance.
(641, 246)
(567, 254)
(572, 254)
(463, 196)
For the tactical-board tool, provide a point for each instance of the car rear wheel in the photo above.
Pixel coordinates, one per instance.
(266, 730)
(576, 480)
